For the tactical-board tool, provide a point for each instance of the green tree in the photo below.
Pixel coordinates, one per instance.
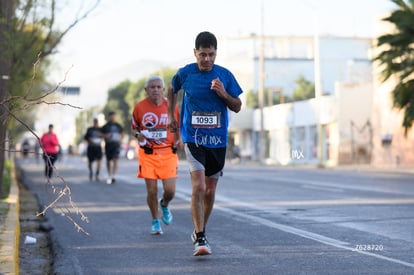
(28, 36)
(117, 102)
(84, 120)
(396, 58)
(252, 99)
(136, 91)
(121, 99)
(271, 97)
(305, 89)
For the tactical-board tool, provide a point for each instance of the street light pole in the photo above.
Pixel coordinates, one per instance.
(262, 138)
(318, 83)
(318, 91)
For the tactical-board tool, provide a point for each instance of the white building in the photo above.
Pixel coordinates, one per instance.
(335, 128)
(61, 110)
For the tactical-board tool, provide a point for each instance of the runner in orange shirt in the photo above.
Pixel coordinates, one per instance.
(157, 156)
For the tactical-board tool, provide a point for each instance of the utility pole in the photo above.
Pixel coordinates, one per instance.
(318, 83)
(318, 89)
(262, 137)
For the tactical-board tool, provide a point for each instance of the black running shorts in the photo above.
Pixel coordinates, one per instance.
(94, 152)
(211, 160)
(112, 150)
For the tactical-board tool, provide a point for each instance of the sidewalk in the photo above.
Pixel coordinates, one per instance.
(10, 232)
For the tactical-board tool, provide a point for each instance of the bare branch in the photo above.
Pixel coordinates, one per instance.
(61, 193)
(72, 25)
(65, 192)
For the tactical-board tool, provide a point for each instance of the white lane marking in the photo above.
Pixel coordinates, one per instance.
(330, 189)
(370, 188)
(312, 236)
(185, 194)
(130, 179)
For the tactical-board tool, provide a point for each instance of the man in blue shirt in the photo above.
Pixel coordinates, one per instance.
(209, 91)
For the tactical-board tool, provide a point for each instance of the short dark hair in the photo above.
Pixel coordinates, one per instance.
(111, 113)
(205, 40)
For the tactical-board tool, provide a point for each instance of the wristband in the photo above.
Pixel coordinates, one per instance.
(142, 143)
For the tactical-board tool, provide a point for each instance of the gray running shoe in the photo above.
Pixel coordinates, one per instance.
(201, 247)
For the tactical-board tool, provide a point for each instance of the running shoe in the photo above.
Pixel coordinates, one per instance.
(156, 227)
(166, 214)
(109, 181)
(194, 236)
(201, 247)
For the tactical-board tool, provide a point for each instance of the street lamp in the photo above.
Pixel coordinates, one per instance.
(317, 80)
(262, 137)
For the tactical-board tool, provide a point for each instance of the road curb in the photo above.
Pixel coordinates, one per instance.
(10, 235)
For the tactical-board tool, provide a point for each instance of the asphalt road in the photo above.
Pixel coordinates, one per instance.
(267, 220)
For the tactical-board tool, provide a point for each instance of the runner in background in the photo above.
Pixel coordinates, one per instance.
(157, 156)
(113, 134)
(93, 136)
(50, 146)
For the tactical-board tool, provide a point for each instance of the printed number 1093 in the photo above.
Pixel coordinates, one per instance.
(204, 120)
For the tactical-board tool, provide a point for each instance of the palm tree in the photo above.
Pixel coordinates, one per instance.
(397, 58)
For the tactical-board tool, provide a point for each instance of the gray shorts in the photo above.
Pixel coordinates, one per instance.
(211, 160)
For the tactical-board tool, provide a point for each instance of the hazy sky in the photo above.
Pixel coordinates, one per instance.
(121, 32)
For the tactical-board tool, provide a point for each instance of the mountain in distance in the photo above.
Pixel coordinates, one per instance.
(95, 89)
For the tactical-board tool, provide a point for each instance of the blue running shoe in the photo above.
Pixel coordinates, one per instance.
(166, 214)
(156, 227)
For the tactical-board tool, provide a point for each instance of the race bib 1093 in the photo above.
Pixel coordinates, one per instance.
(205, 119)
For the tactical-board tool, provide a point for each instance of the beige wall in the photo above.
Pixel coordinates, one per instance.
(388, 120)
(354, 105)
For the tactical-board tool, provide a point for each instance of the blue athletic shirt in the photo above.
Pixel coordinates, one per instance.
(204, 115)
